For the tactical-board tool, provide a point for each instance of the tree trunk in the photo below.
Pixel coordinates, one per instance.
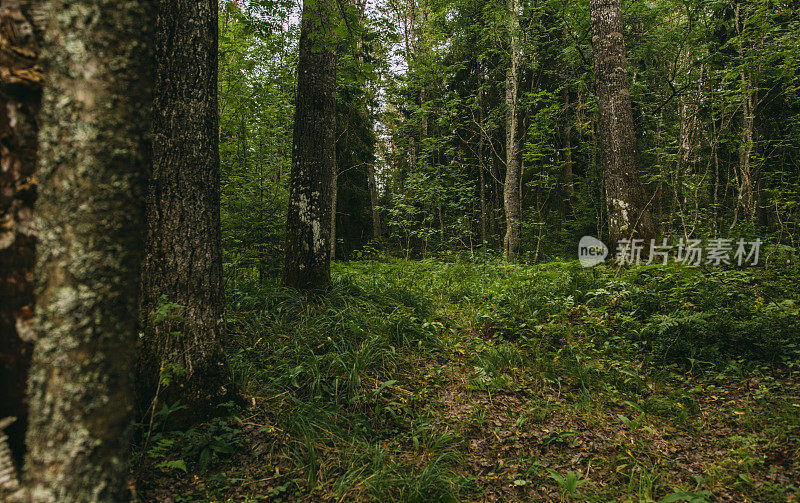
(93, 161)
(183, 256)
(307, 254)
(567, 132)
(745, 173)
(361, 5)
(625, 197)
(482, 181)
(20, 92)
(334, 201)
(498, 197)
(511, 192)
(481, 167)
(373, 198)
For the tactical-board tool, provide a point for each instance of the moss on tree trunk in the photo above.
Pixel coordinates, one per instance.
(94, 155)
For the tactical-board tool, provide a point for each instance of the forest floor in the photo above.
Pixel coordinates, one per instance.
(426, 381)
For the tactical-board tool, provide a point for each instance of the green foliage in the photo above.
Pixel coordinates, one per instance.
(201, 447)
(569, 483)
(386, 387)
(257, 65)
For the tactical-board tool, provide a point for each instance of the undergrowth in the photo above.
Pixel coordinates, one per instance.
(426, 381)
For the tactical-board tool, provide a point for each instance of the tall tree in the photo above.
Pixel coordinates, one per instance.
(747, 172)
(20, 92)
(308, 226)
(511, 190)
(625, 199)
(334, 198)
(93, 159)
(373, 199)
(372, 184)
(182, 357)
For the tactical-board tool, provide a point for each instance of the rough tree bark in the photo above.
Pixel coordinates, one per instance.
(511, 192)
(307, 254)
(20, 93)
(625, 197)
(183, 254)
(93, 159)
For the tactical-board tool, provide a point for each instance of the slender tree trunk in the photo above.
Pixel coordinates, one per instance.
(715, 155)
(511, 191)
(482, 181)
(441, 220)
(334, 203)
(481, 167)
(625, 196)
(93, 161)
(20, 92)
(745, 171)
(498, 197)
(373, 199)
(307, 254)
(567, 132)
(183, 255)
(371, 181)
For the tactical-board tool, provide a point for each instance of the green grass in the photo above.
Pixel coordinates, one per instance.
(425, 381)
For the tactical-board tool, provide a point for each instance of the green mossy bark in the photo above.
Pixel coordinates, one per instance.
(94, 153)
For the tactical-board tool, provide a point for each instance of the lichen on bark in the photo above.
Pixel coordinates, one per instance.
(93, 158)
(308, 226)
(626, 202)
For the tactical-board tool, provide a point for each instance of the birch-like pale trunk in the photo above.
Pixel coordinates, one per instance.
(511, 193)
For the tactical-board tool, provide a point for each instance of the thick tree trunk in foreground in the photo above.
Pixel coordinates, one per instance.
(183, 254)
(625, 198)
(93, 160)
(511, 192)
(20, 93)
(307, 256)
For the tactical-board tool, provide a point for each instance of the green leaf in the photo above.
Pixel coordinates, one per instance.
(175, 464)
